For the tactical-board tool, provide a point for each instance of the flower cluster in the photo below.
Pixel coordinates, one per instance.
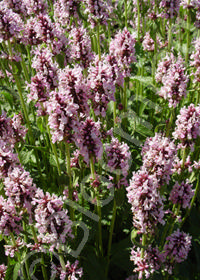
(176, 249)
(52, 221)
(71, 271)
(170, 8)
(146, 202)
(3, 268)
(195, 61)
(10, 23)
(122, 47)
(64, 10)
(98, 11)
(88, 139)
(73, 84)
(81, 50)
(63, 115)
(158, 154)
(174, 80)
(187, 125)
(118, 156)
(101, 86)
(182, 194)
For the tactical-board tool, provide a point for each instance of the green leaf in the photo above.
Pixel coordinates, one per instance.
(15, 271)
(9, 272)
(8, 97)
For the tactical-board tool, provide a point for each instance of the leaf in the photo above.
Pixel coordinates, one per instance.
(145, 80)
(8, 97)
(15, 271)
(25, 156)
(9, 272)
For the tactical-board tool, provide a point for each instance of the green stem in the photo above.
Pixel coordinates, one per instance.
(92, 169)
(53, 146)
(26, 261)
(192, 203)
(138, 19)
(125, 7)
(44, 272)
(18, 256)
(111, 234)
(23, 64)
(188, 33)
(125, 96)
(62, 261)
(170, 34)
(98, 41)
(169, 124)
(70, 179)
(144, 238)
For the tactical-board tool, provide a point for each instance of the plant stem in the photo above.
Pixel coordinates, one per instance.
(192, 202)
(170, 34)
(111, 234)
(138, 19)
(125, 7)
(53, 146)
(44, 272)
(92, 169)
(188, 33)
(70, 179)
(19, 257)
(98, 41)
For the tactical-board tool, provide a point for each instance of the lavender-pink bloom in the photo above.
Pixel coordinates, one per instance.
(118, 156)
(149, 263)
(39, 92)
(187, 125)
(72, 272)
(148, 43)
(10, 24)
(8, 159)
(3, 268)
(43, 64)
(35, 6)
(170, 8)
(63, 116)
(80, 44)
(176, 249)
(64, 10)
(19, 187)
(11, 249)
(195, 61)
(158, 156)
(122, 47)
(39, 29)
(146, 202)
(101, 84)
(182, 194)
(9, 218)
(72, 82)
(52, 221)
(88, 139)
(98, 11)
(174, 82)
(117, 75)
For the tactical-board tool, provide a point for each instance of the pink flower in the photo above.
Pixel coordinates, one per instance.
(101, 84)
(182, 194)
(187, 125)
(88, 139)
(146, 202)
(176, 249)
(3, 268)
(158, 156)
(122, 47)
